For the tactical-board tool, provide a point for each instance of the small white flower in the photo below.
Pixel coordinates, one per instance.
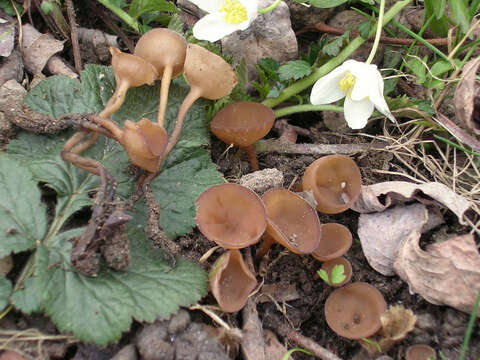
(224, 17)
(362, 86)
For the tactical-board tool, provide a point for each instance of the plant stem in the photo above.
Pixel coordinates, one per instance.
(127, 19)
(468, 332)
(269, 8)
(304, 108)
(378, 33)
(304, 83)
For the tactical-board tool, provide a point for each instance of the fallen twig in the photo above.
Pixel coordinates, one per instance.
(77, 58)
(281, 147)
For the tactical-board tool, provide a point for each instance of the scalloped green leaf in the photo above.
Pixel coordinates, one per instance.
(23, 222)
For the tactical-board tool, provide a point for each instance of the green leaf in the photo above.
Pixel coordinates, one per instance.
(46, 7)
(23, 221)
(338, 274)
(334, 46)
(323, 275)
(6, 6)
(460, 14)
(324, 4)
(418, 69)
(439, 26)
(26, 298)
(99, 309)
(140, 7)
(286, 356)
(294, 70)
(176, 24)
(438, 8)
(5, 291)
(364, 28)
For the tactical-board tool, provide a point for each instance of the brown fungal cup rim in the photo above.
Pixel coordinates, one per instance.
(335, 241)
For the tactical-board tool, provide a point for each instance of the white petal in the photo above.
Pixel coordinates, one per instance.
(210, 6)
(252, 9)
(357, 112)
(212, 27)
(327, 89)
(381, 105)
(366, 81)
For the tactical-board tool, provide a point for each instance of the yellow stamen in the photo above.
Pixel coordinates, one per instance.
(347, 82)
(235, 12)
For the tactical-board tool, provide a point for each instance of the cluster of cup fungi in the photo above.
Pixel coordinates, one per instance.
(235, 217)
(231, 215)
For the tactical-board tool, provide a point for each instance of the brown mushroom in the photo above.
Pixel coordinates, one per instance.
(130, 71)
(347, 270)
(209, 77)
(242, 124)
(354, 310)
(231, 215)
(420, 352)
(335, 181)
(336, 240)
(143, 141)
(291, 221)
(231, 281)
(165, 49)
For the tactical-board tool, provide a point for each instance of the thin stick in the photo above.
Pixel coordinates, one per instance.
(74, 35)
(282, 147)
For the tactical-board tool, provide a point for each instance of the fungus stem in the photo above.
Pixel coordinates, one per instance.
(116, 101)
(267, 243)
(252, 156)
(269, 8)
(304, 83)
(110, 126)
(166, 79)
(187, 103)
(378, 33)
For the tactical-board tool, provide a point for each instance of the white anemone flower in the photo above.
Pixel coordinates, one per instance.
(224, 17)
(360, 84)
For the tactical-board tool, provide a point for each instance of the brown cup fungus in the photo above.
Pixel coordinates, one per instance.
(165, 49)
(354, 311)
(130, 71)
(420, 352)
(347, 270)
(231, 281)
(336, 240)
(335, 181)
(291, 221)
(242, 124)
(143, 141)
(209, 76)
(231, 215)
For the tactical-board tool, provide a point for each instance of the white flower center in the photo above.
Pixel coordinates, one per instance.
(347, 82)
(235, 12)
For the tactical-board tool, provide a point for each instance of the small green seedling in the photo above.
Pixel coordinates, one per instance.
(337, 276)
(286, 356)
(373, 343)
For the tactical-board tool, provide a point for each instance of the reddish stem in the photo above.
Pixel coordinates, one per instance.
(267, 243)
(252, 156)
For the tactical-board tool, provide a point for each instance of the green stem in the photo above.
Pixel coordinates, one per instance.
(127, 19)
(378, 33)
(269, 8)
(420, 34)
(304, 83)
(305, 108)
(468, 332)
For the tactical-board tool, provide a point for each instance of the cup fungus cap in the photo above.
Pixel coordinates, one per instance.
(132, 69)
(242, 123)
(231, 215)
(335, 181)
(208, 73)
(231, 281)
(354, 311)
(336, 240)
(144, 142)
(347, 269)
(291, 221)
(163, 47)
(420, 352)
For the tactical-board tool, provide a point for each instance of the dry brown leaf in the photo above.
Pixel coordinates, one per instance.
(274, 350)
(467, 97)
(6, 264)
(7, 36)
(278, 292)
(447, 273)
(381, 233)
(378, 197)
(38, 48)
